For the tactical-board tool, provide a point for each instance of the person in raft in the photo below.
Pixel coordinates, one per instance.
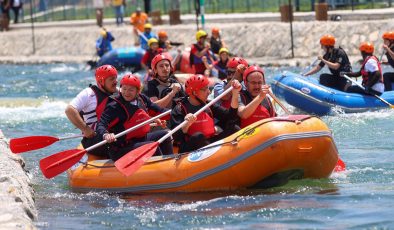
(370, 70)
(153, 50)
(254, 104)
(200, 130)
(388, 46)
(235, 68)
(103, 43)
(198, 51)
(129, 109)
(164, 89)
(85, 110)
(337, 61)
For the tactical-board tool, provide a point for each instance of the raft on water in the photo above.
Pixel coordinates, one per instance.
(265, 154)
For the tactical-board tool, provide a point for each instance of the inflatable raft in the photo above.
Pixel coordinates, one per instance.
(307, 94)
(265, 154)
(123, 57)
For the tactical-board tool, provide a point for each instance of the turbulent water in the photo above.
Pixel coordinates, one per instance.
(32, 102)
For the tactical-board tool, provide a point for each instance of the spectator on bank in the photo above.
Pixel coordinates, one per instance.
(119, 10)
(16, 6)
(99, 6)
(138, 20)
(5, 14)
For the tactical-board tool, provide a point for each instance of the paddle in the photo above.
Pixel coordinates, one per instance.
(306, 69)
(57, 163)
(362, 87)
(134, 159)
(340, 166)
(25, 144)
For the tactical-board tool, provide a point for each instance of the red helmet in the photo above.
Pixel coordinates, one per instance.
(388, 35)
(367, 47)
(159, 57)
(252, 69)
(327, 40)
(131, 80)
(103, 72)
(196, 82)
(235, 61)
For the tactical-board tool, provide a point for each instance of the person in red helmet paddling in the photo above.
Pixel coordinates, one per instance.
(254, 104)
(200, 130)
(370, 70)
(336, 60)
(85, 110)
(163, 88)
(129, 109)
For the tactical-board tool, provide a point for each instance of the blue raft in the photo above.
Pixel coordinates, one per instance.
(308, 95)
(123, 57)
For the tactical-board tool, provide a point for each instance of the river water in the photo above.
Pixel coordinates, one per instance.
(32, 102)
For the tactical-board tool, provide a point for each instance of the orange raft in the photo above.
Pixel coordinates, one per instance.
(265, 154)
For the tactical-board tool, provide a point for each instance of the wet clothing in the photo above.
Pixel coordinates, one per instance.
(222, 68)
(103, 45)
(200, 133)
(334, 80)
(389, 76)
(90, 103)
(196, 61)
(263, 111)
(156, 88)
(120, 115)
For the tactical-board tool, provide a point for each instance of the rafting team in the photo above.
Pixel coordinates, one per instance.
(100, 112)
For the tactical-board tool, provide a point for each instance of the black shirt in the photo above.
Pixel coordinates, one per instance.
(389, 58)
(338, 55)
(157, 89)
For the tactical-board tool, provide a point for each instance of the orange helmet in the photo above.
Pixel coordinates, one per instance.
(195, 83)
(252, 69)
(159, 57)
(215, 30)
(388, 35)
(103, 72)
(367, 47)
(162, 34)
(327, 40)
(131, 80)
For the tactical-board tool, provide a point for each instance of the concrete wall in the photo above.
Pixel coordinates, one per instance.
(270, 40)
(16, 194)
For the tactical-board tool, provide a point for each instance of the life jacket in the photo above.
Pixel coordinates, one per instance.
(164, 90)
(263, 110)
(216, 44)
(102, 99)
(136, 114)
(193, 59)
(204, 123)
(365, 74)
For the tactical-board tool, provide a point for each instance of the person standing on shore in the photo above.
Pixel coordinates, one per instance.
(16, 6)
(119, 10)
(5, 14)
(138, 20)
(99, 6)
(337, 61)
(388, 46)
(85, 110)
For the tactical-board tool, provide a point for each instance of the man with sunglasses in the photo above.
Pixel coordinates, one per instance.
(254, 104)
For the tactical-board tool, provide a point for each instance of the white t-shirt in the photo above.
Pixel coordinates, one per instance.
(86, 102)
(372, 66)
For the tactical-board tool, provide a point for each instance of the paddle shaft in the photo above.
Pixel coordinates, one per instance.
(310, 66)
(362, 87)
(129, 130)
(70, 137)
(195, 114)
(280, 103)
(142, 35)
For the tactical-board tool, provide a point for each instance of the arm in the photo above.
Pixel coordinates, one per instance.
(165, 101)
(74, 117)
(202, 52)
(313, 70)
(246, 111)
(373, 78)
(331, 65)
(389, 51)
